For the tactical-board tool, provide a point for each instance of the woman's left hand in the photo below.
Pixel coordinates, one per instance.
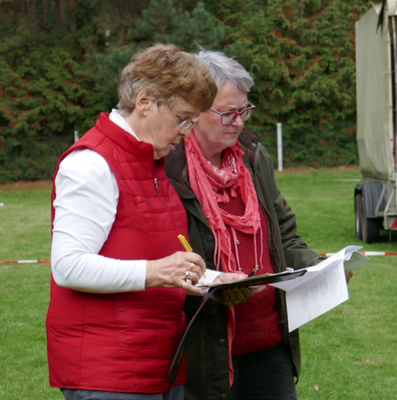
(348, 275)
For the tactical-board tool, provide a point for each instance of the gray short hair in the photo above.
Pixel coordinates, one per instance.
(224, 69)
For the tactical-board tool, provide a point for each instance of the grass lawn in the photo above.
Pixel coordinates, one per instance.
(348, 353)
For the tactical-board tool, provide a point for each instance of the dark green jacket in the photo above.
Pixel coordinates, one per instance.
(207, 349)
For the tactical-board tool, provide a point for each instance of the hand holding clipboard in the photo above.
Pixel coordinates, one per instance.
(216, 287)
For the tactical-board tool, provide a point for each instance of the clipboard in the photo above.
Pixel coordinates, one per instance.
(264, 279)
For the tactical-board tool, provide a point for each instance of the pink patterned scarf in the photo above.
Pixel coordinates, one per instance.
(209, 184)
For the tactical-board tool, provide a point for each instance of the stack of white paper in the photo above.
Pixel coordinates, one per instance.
(322, 288)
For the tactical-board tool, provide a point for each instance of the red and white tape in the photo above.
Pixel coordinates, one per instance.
(367, 253)
(25, 262)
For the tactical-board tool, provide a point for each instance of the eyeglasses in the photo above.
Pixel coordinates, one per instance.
(228, 117)
(184, 125)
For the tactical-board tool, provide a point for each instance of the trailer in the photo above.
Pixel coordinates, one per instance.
(375, 200)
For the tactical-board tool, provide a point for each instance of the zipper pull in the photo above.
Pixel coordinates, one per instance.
(157, 186)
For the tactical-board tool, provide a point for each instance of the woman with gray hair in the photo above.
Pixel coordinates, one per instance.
(119, 271)
(240, 223)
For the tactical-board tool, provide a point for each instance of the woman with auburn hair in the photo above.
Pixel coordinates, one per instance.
(119, 271)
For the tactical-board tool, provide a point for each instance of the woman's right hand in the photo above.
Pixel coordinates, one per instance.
(175, 271)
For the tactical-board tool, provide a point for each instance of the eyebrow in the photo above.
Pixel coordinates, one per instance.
(186, 114)
(236, 109)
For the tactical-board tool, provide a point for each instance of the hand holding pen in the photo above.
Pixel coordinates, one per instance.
(175, 270)
(179, 270)
(188, 248)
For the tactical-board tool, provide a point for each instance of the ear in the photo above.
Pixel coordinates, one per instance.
(195, 119)
(143, 103)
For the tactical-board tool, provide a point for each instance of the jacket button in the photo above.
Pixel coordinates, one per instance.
(210, 238)
(224, 396)
(222, 342)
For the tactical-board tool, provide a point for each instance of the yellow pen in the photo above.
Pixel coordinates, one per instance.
(187, 246)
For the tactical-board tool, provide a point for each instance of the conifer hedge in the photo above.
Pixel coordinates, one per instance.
(60, 62)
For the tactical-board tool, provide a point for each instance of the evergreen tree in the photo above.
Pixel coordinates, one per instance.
(60, 63)
(163, 21)
(301, 56)
(300, 53)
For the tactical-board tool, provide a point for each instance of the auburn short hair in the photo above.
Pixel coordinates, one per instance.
(165, 73)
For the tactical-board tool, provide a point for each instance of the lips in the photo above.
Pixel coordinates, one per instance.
(174, 144)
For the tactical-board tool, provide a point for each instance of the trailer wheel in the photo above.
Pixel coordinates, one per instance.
(359, 215)
(369, 226)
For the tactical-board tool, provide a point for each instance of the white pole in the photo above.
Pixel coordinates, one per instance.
(280, 146)
(76, 136)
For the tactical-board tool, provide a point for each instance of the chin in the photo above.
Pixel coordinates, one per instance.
(161, 153)
(157, 155)
(231, 142)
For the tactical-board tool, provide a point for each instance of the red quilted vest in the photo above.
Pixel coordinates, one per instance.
(123, 342)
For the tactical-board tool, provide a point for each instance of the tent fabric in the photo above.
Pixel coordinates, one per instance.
(374, 99)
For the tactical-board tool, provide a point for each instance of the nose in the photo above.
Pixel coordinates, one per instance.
(185, 132)
(238, 121)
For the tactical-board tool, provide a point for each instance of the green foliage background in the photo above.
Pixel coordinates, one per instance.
(60, 62)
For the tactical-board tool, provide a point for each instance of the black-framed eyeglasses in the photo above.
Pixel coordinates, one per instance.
(228, 117)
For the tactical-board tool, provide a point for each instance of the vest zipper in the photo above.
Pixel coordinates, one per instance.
(157, 186)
